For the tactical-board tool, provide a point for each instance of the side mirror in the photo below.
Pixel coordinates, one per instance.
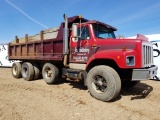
(74, 31)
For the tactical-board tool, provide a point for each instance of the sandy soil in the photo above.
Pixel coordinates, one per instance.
(35, 100)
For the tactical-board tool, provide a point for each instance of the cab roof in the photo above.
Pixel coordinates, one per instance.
(76, 19)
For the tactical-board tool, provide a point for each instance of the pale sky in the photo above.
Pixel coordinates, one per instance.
(20, 17)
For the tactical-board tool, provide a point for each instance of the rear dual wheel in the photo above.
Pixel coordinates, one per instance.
(50, 73)
(30, 71)
(36, 71)
(27, 71)
(16, 70)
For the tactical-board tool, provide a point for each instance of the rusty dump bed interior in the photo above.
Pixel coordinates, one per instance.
(41, 46)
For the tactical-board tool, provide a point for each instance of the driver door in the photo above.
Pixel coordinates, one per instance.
(80, 47)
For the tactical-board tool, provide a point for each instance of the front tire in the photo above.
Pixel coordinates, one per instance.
(103, 83)
(50, 73)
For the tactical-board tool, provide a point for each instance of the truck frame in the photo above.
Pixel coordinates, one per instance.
(85, 50)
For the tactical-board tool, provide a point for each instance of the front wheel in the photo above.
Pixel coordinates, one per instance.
(103, 83)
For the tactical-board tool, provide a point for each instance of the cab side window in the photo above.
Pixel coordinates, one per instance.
(83, 33)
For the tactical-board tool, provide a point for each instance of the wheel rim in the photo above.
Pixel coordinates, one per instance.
(14, 70)
(25, 72)
(48, 73)
(99, 84)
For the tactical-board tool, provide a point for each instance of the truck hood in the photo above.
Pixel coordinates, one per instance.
(128, 43)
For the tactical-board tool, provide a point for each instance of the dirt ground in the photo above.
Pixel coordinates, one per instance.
(35, 100)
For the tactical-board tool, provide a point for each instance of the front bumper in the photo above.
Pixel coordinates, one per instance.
(144, 74)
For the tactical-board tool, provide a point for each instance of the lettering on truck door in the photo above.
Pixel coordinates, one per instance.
(80, 49)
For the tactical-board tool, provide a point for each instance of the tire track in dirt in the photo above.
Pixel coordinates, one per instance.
(46, 91)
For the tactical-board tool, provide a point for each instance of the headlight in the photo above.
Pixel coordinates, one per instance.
(130, 61)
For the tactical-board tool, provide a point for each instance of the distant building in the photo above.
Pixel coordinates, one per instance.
(4, 56)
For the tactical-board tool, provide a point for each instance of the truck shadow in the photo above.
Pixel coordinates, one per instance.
(140, 91)
(74, 84)
(78, 85)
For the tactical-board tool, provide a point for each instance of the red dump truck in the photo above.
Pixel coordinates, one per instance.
(88, 51)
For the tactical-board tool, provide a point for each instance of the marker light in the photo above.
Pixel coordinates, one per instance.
(118, 57)
(80, 16)
(124, 48)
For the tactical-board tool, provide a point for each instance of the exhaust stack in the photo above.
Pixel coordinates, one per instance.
(65, 41)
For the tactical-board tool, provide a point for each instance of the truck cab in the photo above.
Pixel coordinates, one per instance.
(94, 42)
(85, 42)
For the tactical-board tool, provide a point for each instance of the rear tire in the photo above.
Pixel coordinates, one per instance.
(103, 83)
(50, 73)
(27, 71)
(16, 70)
(36, 71)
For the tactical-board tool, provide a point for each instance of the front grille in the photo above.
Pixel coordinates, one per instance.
(147, 54)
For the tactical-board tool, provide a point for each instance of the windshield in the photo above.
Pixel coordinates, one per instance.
(103, 32)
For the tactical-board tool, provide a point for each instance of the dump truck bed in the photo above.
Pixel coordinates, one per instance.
(40, 46)
(50, 49)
